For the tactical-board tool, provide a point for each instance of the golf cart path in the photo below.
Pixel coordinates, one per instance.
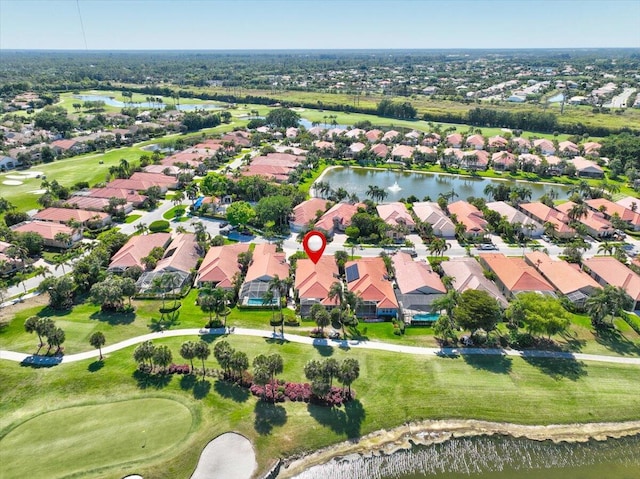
(339, 343)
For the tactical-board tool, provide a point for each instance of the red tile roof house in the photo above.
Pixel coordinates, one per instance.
(497, 142)
(522, 144)
(470, 216)
(452, 156)
(68, 146)
(220, 265)
(608, 270)
(431, 139)
(546, 146)
(354, 133)
(501, 160)
(8, 264)
(541, 212)
(136, 248)
(418, 285)
(425, 154)
(159, 179)
(567, 278)
(181, 255)
(468, 274)
(368, 278)
(373, 135)
(380, 150)
(587, 168)
(430, 212)
(475, 160)
(454, 140)
(595, 222)
(591, 148)
(48, 231)
(476, 142)
(306, 213)
(514, 275)
(94, 204)
(338, 218)
(354, 149)
(266, 264)
(609, 208)
(398, 218)
(64, 215)
(515, 216)
(402, 152)
(390, 136)
(130, 196)
(313, 282)
(238, 138)
(568, 148)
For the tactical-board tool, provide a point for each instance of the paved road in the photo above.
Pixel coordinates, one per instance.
(343, 344)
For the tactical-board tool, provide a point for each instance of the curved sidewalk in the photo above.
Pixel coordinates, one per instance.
(343, 344)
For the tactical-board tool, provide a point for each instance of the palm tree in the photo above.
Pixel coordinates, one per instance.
(280, 288)
(202, 352)
(178, 197)
(267, 299)
(97, 340)
(63, 238)
(207, 302)
(578, 210)
(349, 372)
(336, 292)
(220, 299)
(606, 248)
(162, 356)
(188, 351)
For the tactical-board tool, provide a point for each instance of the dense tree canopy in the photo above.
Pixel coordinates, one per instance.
(477, 309)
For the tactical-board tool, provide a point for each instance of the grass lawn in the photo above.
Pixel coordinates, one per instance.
(132, 218)
(392, 390)
(171, 214)
(81, 448)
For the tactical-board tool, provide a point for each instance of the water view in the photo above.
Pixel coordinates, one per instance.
(556, 98)
(493, 457)
(308, 124)
(404, 184)
(113, 102)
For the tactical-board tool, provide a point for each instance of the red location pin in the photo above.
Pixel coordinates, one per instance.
(314, 244)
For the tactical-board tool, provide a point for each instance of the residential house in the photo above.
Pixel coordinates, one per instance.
(136, 248)
(238, 138)
(306, 213)
(48, 231)
(595, 222)
(91, 219)
(8, 163)
(529, 226)
(470, 216)
(431, 139)
(629, 202)
(417, 285)
(68, 146)
(514, 275)
(8, 264)
(94, 204)
(609, 209)
(522, 145)
(380, 150)
(398, 218)
(402, 152)
(475, 141)
(181, 255)
(497, 142)
(454, 140)
(354, 149)
(354, 133)
(424, 154)
(607, 270)
(313, 282)
(568, 279)
(568, 148)
(468, 274)
(368, 278)
(292, 132)
(267, 263)
(338, 218)
(587, 168)
(430, 212)
(373, 135)
(130, 196)
(591, 148)
(475, 160)
(502, 160)
(543, 214)
(220, 265)
(545, 146)
(390, 136)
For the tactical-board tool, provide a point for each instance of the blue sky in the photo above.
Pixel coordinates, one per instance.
(317, 24)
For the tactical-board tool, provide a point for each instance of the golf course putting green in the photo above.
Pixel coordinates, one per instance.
(82, 439)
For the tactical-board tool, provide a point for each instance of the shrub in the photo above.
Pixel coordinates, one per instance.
(179, 369)
(159, 225)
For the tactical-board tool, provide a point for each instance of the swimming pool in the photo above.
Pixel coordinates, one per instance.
(259, 302)
(425, 318)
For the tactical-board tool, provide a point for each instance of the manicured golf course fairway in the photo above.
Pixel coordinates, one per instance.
(88, 438)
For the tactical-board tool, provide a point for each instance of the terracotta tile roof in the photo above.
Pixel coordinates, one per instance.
(324, 145)
(512, 214)
(454, 139)
(610, 208)
(88, 203)
(475, 140)
(416, 276)
(313, 281)
(544, 145)
(47, 229)
(267, 263)
(497, 142)
(544, 214)
(64, 144)
(62, 215)
(515, 273)
(155, 178)
(615, 273)
(629, 202)
(128, 195)
(467, 274)
(594, 219)
(583, 164)
(357, 147)
(371, 282)
(402, 151)
(136, 248)
(278, 159)
(390, 135)
(181, 255)
(306, 211)
(592, 148)
(430, 212)
(522, 142)
(221, 264)
(503, 158)
(395, 213)
(373, 135)
(562, 275)
(381, 150)
(354, 133)
(342, 212)
(468, 215)
(568, 146)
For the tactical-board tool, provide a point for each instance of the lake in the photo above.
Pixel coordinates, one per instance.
(493, 457)
(556, 98)
(308, 124)
(400, 184)
(113, 102)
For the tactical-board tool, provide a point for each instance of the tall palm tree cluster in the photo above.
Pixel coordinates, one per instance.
(45, 328)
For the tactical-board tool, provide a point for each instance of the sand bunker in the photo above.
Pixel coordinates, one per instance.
(230, 456)
(38, 192)
(31, 174)
(12, 182)
(15, 177)
(134, 476)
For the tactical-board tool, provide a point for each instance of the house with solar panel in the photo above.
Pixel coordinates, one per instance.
(368, 278)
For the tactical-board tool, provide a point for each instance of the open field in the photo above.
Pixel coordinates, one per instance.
(80, 433)
(498, 389)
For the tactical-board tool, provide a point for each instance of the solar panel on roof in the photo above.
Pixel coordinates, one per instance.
(352, 273)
